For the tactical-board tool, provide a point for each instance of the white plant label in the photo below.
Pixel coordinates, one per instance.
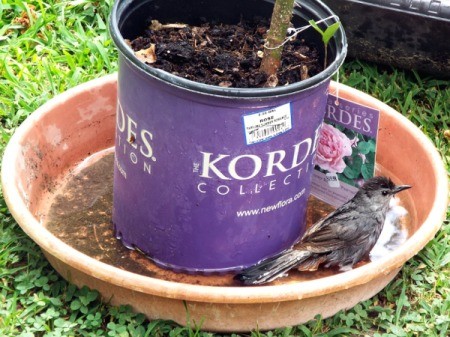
(333, 180)
(264, 125)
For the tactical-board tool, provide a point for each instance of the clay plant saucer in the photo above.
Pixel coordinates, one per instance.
(57, 176)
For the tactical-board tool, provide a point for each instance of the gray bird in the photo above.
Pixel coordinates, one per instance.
(341, 239)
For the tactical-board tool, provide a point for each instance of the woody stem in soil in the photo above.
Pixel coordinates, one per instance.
(281, 18)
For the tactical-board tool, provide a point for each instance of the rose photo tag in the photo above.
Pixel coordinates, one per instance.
(346, 150)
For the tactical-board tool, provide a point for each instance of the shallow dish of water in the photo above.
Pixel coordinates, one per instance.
(57, 181)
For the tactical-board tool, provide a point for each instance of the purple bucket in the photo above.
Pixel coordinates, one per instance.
(212, 179)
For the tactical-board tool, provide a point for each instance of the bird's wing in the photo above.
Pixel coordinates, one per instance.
(338, 230)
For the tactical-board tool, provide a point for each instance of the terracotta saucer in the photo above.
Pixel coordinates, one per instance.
(73, 132)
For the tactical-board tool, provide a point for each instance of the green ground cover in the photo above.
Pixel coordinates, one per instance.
(48, 47)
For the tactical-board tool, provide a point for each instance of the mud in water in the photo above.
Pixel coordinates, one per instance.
(80, 215)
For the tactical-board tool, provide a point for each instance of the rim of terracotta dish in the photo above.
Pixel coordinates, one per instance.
(214, 294)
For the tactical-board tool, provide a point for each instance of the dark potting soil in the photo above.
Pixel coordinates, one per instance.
(222, 54)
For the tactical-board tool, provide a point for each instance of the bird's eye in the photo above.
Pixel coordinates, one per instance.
(385, 193)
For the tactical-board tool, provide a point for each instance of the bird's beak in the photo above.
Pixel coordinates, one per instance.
(400, 188)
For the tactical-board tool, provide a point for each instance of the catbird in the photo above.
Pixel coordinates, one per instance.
(342, 238)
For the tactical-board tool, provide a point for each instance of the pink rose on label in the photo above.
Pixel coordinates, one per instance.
(333, 146)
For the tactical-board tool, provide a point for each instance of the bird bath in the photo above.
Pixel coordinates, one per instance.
(57, 181)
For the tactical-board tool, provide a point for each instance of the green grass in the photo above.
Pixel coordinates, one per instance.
(48, 47)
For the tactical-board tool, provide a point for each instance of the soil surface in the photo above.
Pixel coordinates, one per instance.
(222, 54)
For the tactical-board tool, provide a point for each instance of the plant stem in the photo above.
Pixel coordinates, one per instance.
(281, 18)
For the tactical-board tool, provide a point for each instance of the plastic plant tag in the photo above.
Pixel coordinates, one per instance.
(346, 150)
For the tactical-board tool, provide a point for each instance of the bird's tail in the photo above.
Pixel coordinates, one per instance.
(273, 267)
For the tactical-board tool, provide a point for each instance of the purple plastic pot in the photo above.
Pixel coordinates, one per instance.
(207, 178)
